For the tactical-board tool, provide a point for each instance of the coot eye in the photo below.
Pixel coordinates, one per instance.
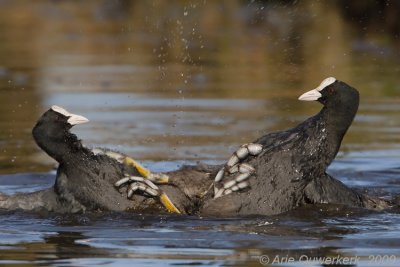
(58, 118)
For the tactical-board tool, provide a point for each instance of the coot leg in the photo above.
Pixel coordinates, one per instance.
(158, 178)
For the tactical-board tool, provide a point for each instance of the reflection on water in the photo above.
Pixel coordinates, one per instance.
(174, 82)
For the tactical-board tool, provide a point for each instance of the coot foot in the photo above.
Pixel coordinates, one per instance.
(145, 184)
(136, 183)
(234, 166)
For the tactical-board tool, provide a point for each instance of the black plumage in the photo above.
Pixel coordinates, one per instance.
(85, 180)
(291, 169)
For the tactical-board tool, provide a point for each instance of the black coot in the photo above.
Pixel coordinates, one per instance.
(291, 168)
(86, 177)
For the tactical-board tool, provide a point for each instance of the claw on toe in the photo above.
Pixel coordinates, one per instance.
(234, 166)
(168, 203)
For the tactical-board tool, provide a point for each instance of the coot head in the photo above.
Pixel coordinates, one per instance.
(51, 132)
(333, 93)
(340, 102)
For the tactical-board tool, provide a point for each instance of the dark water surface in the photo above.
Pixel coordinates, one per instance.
(176, 82)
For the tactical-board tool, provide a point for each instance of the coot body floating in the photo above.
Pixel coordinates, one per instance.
(86, 178)
(291, 168)
(278, 172)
